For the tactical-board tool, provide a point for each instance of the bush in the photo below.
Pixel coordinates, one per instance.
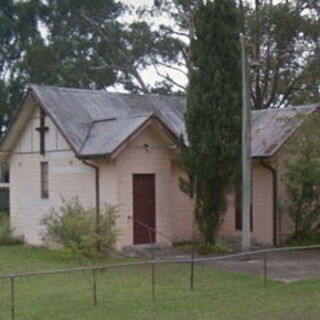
(305, 239)
(203, 248)
(302, 178)
(73, 228)
(6, 233)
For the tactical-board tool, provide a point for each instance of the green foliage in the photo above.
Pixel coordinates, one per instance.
(10, 96)
(204, 248)
(6, 236)
(284, 39)
(213, 117)
(75, 43)
(302, 178)
(74, 229)
(18, 29)
(88, 44)
(94, 47)
(312, 238)
(218, 247)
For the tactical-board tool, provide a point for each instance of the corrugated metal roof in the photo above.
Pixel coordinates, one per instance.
(97, 122)
(272, 127)
(107, 135)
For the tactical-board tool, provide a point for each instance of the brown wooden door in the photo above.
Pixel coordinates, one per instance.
(144, 208)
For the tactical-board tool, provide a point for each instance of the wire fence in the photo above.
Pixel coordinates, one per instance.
(93, 283)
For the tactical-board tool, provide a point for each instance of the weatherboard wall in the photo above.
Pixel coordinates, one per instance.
(262, 209)
(68, 178)
(173, 210)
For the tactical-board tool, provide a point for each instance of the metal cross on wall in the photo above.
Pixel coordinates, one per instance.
(42, 130)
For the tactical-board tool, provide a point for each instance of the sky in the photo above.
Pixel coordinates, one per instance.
(138, 2)
(150, 75)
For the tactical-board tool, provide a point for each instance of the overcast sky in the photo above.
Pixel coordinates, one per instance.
(138, 2)
(150, 75)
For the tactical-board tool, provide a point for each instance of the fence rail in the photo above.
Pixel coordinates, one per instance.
(153, 262)
(160, 261)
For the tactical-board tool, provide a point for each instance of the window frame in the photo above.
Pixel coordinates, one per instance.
(44, 179)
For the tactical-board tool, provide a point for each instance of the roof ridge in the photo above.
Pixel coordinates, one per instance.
(57, 88)
(103, 120)
(96, 91)
(311, 105)
(140, 115)
(86, 137)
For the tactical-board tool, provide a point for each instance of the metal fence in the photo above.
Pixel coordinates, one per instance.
(152, 263)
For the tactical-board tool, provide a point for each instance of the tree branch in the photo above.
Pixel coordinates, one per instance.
(170, 67)
(168, 78)
(132, 70)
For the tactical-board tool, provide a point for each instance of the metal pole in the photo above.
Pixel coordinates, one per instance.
(194, 196)
(94, 287)
(12, 279)
(192, 266)
(265, 269)
(97, 199)
(246, 149)
(153, 279)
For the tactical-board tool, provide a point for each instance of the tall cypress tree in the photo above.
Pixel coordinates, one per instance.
(213, 116)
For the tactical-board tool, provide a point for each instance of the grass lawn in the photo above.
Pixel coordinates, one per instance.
(126, 293)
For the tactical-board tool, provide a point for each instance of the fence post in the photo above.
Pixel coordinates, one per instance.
(265, 270)
(153, 280)
(192, 266)
(194, 197)
(94, 287)
(12, 280)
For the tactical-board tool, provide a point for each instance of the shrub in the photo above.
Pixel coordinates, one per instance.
(73, 228)
(218, 247)
(203, 248)
(6, 233)
(302, 178)
(305, 239)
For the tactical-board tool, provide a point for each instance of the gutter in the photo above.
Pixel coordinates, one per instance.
(97, 192)
(274, 196)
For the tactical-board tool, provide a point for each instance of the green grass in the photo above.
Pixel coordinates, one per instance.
(126, 293)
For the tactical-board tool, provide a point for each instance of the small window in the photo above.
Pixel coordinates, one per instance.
(44, 180)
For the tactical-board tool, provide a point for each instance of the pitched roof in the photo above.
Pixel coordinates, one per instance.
(98, 122)
(272, 127)
(105, 136)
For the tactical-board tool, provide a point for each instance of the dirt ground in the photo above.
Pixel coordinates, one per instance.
(283, 266)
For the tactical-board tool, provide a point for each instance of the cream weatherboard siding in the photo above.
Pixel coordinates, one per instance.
(69, 177)
(136, 160)
(100, 122)
(262, 208)
(181, 206)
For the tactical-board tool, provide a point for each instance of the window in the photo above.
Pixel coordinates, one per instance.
(4, 173)
(44, 180)
(238, 210)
